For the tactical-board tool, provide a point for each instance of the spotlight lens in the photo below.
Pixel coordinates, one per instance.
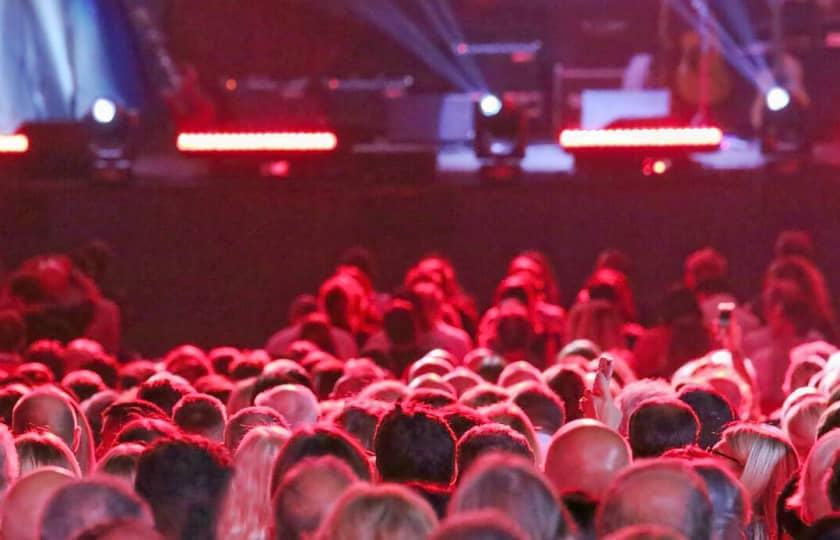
(490, 105)
(777, 98)
(104, 111)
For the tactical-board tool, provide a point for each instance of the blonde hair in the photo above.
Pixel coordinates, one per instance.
(801, 421)
(44, 449)
(812, 497)
(247, 511)
(769, 460)
(380, 512)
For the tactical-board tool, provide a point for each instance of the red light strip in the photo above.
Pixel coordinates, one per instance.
(257, 142)
(709, 137)
(14, 144)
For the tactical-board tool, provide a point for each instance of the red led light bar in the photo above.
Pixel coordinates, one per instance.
(14, 144)
(257, 142)
(706, 137)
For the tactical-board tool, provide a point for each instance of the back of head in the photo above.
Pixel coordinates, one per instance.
(660, 492)
(705, 267)
(479, 525)
(379, 512)
(124, 529)
(121, 461)
(545, 410)
(586, 456)
(184, 480)
(646, 532)
(596, 320)
(9, 466)
(307, 494)
(320, 441)
(83, 504)
(414, 445)
(659, 425)
(513, 486)
(637, 392)
(801, 423)
(200, 414)
(713, 412)
(794, 243)
(26, 499)
(296, 403)
(45, 409)
(730, 502)
(37, 450)
(248, 418)
(568, 383)
(359, 420)
(164, 390)
(488, 438)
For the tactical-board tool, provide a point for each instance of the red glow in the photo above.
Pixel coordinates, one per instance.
(278, 168)
(14, 144)
(659, 167)
(257, 142)
(709, 137)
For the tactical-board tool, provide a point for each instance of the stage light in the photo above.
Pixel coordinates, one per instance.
(582, 139)
(257, 142)
(777, 98)
(490, 105)
(659, 166)
(14, 144)
(104, 111)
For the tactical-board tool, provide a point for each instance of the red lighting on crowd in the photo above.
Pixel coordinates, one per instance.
(707, 137)
(14, 144)
(257, 142)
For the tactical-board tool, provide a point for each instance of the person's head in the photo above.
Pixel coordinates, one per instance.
(93, 408)
(121, 461)
(663, 492)
(706, 271)
(146, 431)
(221, 358)
(133, 374)
(378, 512)
(189, 362)
(479, 525)
(386, 391)
(359, 419)
(544, 409)
(462, 379)
(813, 496)
(461, 419)
(765, 459)
(282, 371)
(400, 323)
(49, 353)
(247, 419)
(9, 396)
(800, 372)
(184, 481)
(807, 282)
(12, 331)
(200, 414)
(795, 243)
(103, 365)
(320, 441)
(568, 383)
(801, 423)
(118, 415)
(43, 449)
(83, 383)
(487, 438)
(787, 310)
(218, 386)
(164, 390)
(307, 494)
(45, 409)
(414, 445)
(246, 512)
(511, 415)
(730, 502)
(713, 412)
(26, 499)
(599, 321)
(586, 456)
(658, 425)
(296, 403)
(9, 465)
(515, 487)
(83, 504)
(637, 392)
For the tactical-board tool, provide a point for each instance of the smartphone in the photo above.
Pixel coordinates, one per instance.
(605, 366)
(725, 310)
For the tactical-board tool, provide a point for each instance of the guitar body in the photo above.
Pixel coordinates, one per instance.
(701, 71)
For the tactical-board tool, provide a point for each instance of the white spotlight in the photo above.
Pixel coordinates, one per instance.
(104, 111)
(490, 105)
(777, 98)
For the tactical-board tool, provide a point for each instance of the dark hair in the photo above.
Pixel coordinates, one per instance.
(713, 412)
(825, 528)
(359, 419)
(660, 424)
(82, 504)
(200, 414)
(832, 483)
(222, 358)
(184, 480)
(320, 441)
(247, 366)
(461, 419)
(281, 372)
(188, 362)
(217, 386)
(115, 418)
(244, 420)
(103, 365)
(544, 408)
(83, 383)
(400, 322)
(567, 382)
(730, 501)
(430, 397)
(325, 374)
(49, 353)
(146, 430)
(414, 444)
(9, 396)
(492, 437)
(135, 373)
(164, 391)
(483, 395)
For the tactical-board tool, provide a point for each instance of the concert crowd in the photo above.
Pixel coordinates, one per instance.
(412, 415)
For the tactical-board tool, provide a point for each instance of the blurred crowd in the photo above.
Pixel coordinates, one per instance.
(410, 414)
